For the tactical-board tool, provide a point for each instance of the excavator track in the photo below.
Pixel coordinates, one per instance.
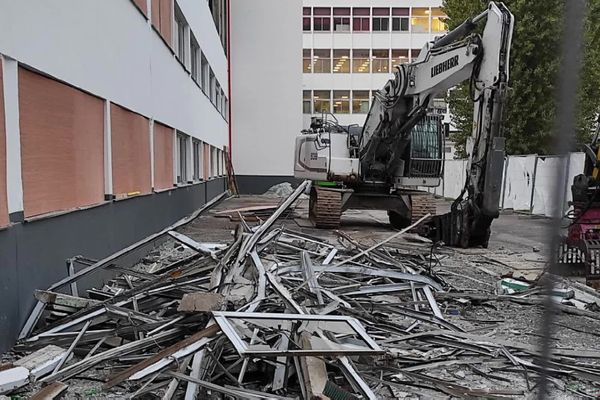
(421, 206)
(325, 207)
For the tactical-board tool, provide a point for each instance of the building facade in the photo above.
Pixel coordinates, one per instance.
(113, 124)
(350, 49)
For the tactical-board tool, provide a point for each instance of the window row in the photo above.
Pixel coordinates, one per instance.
(376, 19)
(358, 61)
(176, 32)
(219, 11)
(197, 161)
(348, 102)
(65, 161)
(336, 101)
(193, 59)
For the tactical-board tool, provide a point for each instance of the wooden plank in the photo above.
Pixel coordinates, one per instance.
(50, 392)
(120, 377)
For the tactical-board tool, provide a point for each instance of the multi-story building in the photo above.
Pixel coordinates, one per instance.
(115, 118)
(350, 49)
(113, 124)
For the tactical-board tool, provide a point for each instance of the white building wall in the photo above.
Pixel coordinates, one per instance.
(266, 82)
(110, 50)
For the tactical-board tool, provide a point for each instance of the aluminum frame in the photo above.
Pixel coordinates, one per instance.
(222, 318)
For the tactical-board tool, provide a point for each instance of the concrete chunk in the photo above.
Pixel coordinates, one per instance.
(42, 361)
(201, 302)
(11, 379)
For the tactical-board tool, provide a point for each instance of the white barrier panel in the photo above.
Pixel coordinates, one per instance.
(454, 178)
(545, 200)
(521, 178)
(518, 183)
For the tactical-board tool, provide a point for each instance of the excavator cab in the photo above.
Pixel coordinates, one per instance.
(424, 159)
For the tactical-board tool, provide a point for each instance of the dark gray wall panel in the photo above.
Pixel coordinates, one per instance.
(33, 254)
(9, 287)
(214, 187)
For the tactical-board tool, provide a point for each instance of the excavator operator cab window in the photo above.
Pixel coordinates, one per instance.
(426, 145)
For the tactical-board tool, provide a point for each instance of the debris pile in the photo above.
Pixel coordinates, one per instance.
(277, 314)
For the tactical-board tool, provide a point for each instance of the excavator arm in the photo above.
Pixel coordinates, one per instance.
(461, 55)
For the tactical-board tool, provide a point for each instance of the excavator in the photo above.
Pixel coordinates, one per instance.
(399, 150)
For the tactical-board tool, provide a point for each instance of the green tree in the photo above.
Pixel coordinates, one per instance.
(534, 63)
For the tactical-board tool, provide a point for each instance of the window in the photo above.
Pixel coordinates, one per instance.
(204, 73)
(181, 158)
(196, 158)
(360, 61)
(180, 29)
(438, 19)
(420, 20)
(321, 19)
(341, 102)
(306, 61)
(322, 61)
(223, 102)
(212, 93)
(195, 59)
(322, 101)
(360, 101)
(341, 61)
(360, 19)
(213, 162)
(400, 19)
(218, 9)
(306, 19)
(381, 61)
(341, 19)
(218, 97)
(206, 161)
(306, 102)
(414, 53)
(399, 56)
(381, 19)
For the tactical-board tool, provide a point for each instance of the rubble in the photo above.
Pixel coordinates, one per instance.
(278, 313)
